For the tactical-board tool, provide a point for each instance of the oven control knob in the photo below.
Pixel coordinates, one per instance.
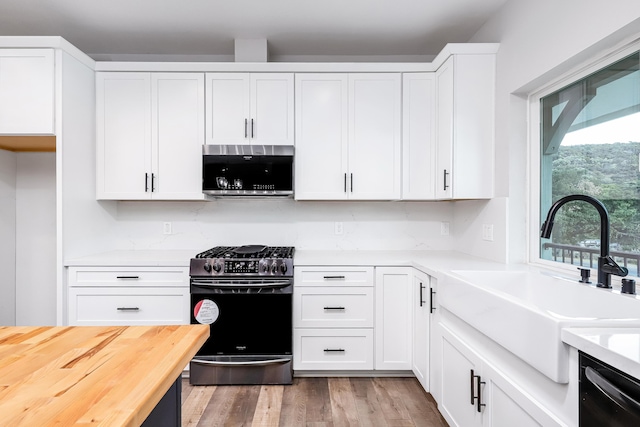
(283, 268)
(274, 268)
(217, 267)
(264, 267)
(207, 267)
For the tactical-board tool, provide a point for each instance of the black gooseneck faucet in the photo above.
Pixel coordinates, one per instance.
(606, 265)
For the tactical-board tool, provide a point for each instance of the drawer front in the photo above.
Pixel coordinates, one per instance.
(138, 306)
(332, 276)
(333, 349)
(129, 276)
(348, 307)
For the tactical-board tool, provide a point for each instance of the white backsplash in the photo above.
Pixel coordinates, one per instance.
(305, 225)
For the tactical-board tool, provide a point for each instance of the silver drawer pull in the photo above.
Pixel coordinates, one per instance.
(128, 309)
(334, 350)
(334, 308)
(265, 362)
(334, 277)
(128, 277)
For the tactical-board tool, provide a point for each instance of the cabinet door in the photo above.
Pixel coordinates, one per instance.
(228, 108)
(321, 136)
(271, 120)
(178, 135)
(27, 91)
(445, 130)
(460, 365)
(393, 330)
(418, 136)
(421, 315)
(374, 136)
(123, 108)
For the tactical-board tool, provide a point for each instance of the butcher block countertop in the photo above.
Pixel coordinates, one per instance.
(90, 375)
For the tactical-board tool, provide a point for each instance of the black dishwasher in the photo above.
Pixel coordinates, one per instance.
(608, 397)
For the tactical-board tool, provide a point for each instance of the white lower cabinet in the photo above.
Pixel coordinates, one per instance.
(394, 322)
(421, 325)
(128, 296)
(475, 393)
(333, 318)
(333, 349)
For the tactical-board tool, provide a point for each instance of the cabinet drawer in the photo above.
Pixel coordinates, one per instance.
(346, 307)
(129, 276)
(133, 306)
(333, 349)
(331, 276)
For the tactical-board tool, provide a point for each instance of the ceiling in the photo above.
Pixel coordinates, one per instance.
(109, 29)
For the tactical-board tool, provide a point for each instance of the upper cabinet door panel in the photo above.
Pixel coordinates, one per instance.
(374, 136)
(27, 91)
(272, 109)
(178, 134)
(444, 106)
(123, 135)
(228, 108)
(418, 136)
(321, 136)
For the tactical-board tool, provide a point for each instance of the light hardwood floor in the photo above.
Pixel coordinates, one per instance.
(312, 402)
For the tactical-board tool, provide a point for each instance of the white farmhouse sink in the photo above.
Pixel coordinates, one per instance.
(525, 312)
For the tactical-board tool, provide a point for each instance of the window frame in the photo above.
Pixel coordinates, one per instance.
(534, 220)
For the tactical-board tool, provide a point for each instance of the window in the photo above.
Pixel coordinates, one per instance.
(590, 144)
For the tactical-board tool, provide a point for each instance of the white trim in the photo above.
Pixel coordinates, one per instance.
(39, 42)
(578, 72)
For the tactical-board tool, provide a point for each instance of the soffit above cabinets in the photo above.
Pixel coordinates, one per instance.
(28, 142)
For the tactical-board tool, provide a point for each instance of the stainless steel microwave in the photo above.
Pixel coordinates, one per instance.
(247, 170)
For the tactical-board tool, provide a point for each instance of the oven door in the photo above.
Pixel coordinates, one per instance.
(246, 317)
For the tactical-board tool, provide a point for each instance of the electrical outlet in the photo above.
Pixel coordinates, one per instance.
(487, 232)
(166, 228)
(444, 228)
(338, 228)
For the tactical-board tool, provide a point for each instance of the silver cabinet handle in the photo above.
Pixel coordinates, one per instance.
(421, 288)
(128, 309)
(245, 128)
(479, 404)
(445, 179)
(252, 135)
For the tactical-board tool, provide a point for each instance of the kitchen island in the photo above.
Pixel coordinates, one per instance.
(110, 376)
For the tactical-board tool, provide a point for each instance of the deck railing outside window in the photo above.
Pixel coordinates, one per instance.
(588, 257)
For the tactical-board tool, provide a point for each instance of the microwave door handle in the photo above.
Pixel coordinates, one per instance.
(611, 391)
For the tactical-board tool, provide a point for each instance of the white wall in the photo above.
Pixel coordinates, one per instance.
(8, 167)
(36, 239)
(539, 41)
(306, 225)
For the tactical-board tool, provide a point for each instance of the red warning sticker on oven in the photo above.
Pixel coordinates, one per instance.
(206, 311)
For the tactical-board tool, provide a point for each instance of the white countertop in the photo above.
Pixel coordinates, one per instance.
(618, 347)
(148, 258)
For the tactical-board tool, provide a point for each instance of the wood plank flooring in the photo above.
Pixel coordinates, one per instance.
(312, 402)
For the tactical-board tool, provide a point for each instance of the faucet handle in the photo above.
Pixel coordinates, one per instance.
(611, 267)
(584, 274)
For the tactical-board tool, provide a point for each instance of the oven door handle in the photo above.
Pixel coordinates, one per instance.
(251, 363)
(611, 391)
(240, 285)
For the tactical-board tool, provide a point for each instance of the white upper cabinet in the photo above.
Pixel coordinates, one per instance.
(27, 91)
(247, 108)
(418, 136)
(149, 135)
(321, 136)
(348, 129)
(465, 93)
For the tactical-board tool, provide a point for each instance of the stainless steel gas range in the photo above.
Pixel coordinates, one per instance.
(245, 294)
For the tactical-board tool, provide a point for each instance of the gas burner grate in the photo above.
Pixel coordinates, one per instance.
(249, 251)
